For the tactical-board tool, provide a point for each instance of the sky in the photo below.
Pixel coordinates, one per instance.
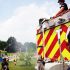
(19, 18)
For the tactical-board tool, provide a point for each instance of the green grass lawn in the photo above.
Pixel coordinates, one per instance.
(19, 67)
(20, 63)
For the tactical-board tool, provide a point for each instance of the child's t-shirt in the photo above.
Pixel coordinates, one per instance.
(65, 6)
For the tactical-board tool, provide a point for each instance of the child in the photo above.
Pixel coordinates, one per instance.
(63, 8)
(14, 61)
(4, 65)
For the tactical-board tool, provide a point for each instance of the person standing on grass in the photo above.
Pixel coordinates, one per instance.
(41, 63)
(15, 62)
(5, 65)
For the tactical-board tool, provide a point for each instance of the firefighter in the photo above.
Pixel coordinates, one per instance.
(41, 63)
(63, 8)
(68, 68)
(68, 37)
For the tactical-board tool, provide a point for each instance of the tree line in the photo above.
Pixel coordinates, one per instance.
(11, 45)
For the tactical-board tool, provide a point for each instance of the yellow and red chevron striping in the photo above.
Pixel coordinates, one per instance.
(40, 51)
(40, 44)
(39, 39)
(50, 40)
(64, 28)
(56, 55)
(52, 45)
(63, 46)
(65, 50)
(48, 36)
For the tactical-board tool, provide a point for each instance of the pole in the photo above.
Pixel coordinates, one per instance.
(58, 32)
(43, 43)
(60, 51)
(43, 26)
(61, 58)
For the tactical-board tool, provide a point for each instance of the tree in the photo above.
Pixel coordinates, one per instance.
(25, 59)
(11, 45)
(3, 45)
(30, 46)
